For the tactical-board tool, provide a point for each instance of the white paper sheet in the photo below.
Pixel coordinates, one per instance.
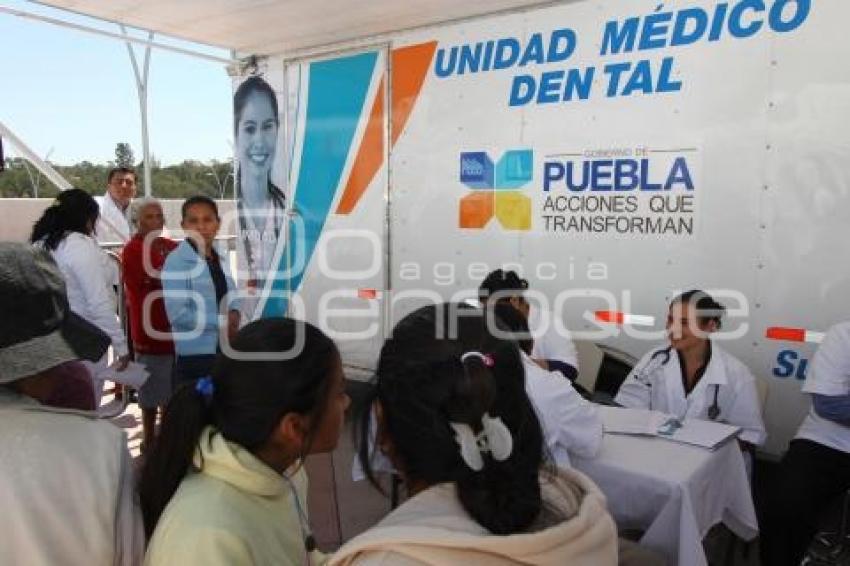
(708, 434)
(620, 420)
(134, 375)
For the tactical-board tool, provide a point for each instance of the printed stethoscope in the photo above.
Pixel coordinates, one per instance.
(658, 360)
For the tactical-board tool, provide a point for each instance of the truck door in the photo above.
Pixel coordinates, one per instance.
(332, 267)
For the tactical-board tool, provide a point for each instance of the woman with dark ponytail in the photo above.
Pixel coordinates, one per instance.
(224, 484)
(453, 417)
(692, 377)
(66, 230)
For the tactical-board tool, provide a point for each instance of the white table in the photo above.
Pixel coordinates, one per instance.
(673, 492)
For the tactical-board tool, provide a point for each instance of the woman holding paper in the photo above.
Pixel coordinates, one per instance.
(66, 230)
(692, 377)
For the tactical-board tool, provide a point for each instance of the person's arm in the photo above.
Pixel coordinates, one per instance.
(176, 289)
(131, 260)
(554, 348)
(835, 408)
(567, 370)
(133, 268)
(570, 423)
(581, 424)
(234, 318)
(633, 393)
(829, 373)
(234, 303)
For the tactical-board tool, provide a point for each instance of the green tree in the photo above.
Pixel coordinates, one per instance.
(174, 181)
(124, 155)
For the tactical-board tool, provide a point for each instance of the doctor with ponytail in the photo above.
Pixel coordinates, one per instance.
(692, 377)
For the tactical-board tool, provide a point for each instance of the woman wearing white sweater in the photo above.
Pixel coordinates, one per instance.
(454, 418)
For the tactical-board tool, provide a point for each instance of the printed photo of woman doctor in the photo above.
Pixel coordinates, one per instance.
(261, 203)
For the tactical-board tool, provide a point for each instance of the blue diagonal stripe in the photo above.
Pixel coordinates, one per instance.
(336, 95)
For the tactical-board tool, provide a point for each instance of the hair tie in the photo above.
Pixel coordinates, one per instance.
(486, 359)
(205, 388)
(494, 438)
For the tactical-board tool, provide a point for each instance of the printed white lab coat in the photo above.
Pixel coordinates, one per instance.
(571, 424)
(552, 340)
(829, 375)
(657, 386)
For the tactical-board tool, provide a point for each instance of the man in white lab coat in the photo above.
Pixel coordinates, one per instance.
(113, 226)
(815, 471)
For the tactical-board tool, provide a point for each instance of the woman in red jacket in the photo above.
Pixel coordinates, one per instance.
(143, 257)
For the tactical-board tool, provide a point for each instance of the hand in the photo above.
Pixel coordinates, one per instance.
(233, 321)
(121, 363)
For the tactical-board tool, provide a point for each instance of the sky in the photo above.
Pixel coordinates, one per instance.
(72, 95)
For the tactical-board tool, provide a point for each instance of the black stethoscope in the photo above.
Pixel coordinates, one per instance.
(714, 409)
(306, 532)
(664, 357)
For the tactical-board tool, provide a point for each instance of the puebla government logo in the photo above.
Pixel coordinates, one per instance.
(496, 189)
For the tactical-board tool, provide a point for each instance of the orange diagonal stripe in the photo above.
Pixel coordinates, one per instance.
(410, 67)
(369, 156)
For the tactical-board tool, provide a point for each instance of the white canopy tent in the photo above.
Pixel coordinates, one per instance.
(258, 28)
(266, 27)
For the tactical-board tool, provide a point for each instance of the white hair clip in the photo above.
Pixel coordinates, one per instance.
(486, 359)
(494, 438)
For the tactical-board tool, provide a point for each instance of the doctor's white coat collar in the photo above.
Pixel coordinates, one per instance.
(715, 371)
(112, 224)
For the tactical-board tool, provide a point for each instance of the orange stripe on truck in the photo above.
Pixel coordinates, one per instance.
(409, 68)
(369, 158)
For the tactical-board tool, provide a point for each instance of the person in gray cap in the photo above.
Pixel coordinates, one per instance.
(67, 489)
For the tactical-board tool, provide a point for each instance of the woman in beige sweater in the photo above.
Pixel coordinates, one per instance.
(454, 419)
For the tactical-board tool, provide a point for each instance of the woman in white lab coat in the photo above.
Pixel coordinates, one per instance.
(692, 377)
(66, 230)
